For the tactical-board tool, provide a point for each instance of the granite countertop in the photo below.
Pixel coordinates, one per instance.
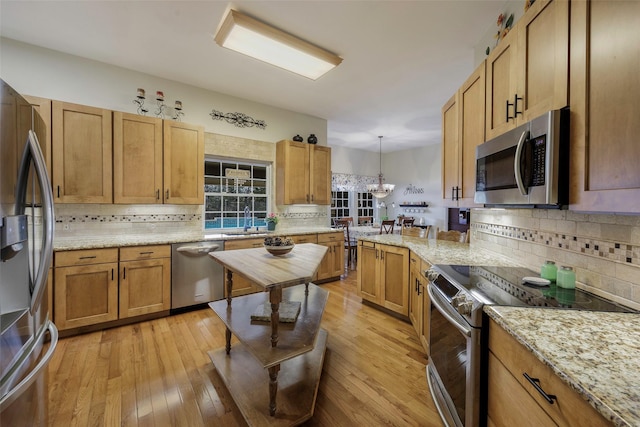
(110, 241)
(595, 353)
(443, 251)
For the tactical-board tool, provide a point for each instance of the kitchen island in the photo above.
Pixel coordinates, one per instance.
(297, 348)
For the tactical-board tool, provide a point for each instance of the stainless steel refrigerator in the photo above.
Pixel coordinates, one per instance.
(28, 337)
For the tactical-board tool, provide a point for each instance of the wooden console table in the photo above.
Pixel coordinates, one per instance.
(293, 353)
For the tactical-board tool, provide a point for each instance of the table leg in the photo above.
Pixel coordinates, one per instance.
(227, 333)
(273, 388)
(275, 297)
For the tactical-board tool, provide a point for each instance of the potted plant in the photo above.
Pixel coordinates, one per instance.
(271, 221)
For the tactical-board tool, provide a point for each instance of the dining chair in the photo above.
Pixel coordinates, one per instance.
(350, 244)
(407, 222)
(452, 235)
(422, 233)
(365, 220)
(386, 226)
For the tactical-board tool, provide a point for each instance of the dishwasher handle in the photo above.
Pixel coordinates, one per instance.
(198, 250)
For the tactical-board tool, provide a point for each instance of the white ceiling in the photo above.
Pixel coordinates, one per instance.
(402, 59)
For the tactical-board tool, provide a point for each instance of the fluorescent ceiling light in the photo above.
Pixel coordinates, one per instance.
(256, 39)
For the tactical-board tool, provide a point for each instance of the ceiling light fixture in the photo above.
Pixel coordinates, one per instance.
(251, 37)
(380, 190)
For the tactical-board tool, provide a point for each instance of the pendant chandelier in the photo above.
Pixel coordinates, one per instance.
(380, 190)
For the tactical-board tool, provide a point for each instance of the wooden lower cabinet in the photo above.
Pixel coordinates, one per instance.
(332, 265)
(86, 287)
(383, 275)
(145, 280)
(241, 286)
(513, 400)
(419, 301)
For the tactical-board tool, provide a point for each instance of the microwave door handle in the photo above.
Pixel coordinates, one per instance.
(516, 162)
(32, 151)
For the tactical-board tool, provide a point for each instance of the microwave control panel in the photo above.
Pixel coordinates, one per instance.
(539, 154)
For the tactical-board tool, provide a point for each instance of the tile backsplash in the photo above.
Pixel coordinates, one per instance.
(603, 249)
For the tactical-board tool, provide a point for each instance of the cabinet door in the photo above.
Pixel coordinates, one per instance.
(450, 154)
(320, 175)
(501, 77)
(183, 163)
(367, 278)
(85, 295)
(333, 262)
(471, 122)
(43, 131)
(137, 159)
(543, 47)
(292, 172)
(394, 278)
(605, 60)
(426, 306)
(81, 148)
(145, 287)
(415, 293)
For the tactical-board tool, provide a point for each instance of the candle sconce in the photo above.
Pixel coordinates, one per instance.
(161, 107)
(139, 101)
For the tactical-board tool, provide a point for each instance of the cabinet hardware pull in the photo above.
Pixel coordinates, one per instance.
(381, 255)
(418, 287)
(312, 197)
(376, 254)
(307, 198)
(167, 194)
(457, 193)
(453, 193)
(124, 273)
(535, 383)
(112, 274)
(88, 257)
(516, 98)
(58, 191)
(158, 194)
(507, 111)
(146, 253)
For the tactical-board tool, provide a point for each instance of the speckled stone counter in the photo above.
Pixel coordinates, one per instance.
(443, 251)
(597, 354)
(98, 242)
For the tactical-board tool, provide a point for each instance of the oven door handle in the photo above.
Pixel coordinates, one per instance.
(446, 310)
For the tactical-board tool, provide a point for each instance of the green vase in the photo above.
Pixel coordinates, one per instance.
(271, 226)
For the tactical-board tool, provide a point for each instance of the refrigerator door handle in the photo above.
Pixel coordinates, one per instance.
(32, 152)
(15, 392)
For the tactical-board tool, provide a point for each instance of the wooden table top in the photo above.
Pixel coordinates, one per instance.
(266, 270)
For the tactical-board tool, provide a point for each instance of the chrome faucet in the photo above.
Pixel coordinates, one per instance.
(247, 215)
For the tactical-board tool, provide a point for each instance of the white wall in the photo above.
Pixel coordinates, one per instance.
(33, 70)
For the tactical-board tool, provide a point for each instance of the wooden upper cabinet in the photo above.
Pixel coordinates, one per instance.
(81, 148)
(463, 124)
(183, 163)
(42, 129)
(527, 73)
(605, 59)
(303, 173)
(320, 179)
(137, 159)
(450, 156)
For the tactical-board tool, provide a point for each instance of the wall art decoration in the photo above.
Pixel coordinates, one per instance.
(240, 120)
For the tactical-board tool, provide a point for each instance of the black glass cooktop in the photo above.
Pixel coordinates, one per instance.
(504, 286)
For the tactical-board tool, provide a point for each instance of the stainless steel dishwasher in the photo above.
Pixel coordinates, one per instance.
(195, 277)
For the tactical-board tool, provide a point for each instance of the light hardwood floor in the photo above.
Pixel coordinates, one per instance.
(158, 373)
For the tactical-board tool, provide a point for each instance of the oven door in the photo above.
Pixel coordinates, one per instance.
(453, 372)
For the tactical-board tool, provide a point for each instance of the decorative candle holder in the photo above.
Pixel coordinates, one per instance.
(178, 111)
(161, 105)
(139, 101)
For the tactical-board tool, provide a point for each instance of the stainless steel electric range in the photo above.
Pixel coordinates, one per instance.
(458, 293)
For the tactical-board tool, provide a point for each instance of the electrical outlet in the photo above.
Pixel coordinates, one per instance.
(66, 227)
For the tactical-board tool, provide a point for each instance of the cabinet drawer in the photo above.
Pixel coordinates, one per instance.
(135, 253)
(230, 245)
(85, 257)
(330, 237)
(305, 238)
(569, 408)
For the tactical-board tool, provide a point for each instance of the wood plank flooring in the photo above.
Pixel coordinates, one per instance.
(158, 373)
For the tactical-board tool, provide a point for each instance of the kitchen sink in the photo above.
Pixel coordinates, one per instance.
(245, 233)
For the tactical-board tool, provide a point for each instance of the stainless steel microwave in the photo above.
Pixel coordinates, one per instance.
(527, 166)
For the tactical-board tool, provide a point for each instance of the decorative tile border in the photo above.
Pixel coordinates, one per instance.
(609, 250)
(128, 218)
(303, 215)
(351, 182)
